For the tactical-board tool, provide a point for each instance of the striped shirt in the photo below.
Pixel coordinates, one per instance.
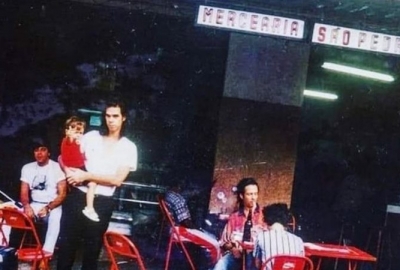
(277, 241)
(176, 203)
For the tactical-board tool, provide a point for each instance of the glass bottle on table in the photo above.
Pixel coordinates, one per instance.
(247, 228)
(248, 239)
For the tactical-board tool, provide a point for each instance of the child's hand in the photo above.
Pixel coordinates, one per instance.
(72, 134)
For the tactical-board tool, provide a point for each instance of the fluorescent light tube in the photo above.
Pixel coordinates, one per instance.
(89, 111)
(318, 94)
(358, 72)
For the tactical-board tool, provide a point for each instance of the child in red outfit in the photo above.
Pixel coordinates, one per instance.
(72, 156)
(70, 146)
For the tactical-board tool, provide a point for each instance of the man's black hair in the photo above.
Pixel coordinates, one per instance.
(240, 187)
(40, 143)
(276, 213)
(114, 102)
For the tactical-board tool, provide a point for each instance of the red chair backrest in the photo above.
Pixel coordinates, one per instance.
(30, 248)
(16, 219)
(288, 262)
(117, 243)
(165, 211)
(19, 220)
(175, 234)
(167, 215)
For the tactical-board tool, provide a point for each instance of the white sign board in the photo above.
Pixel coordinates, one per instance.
(250, 22)
(355, 39)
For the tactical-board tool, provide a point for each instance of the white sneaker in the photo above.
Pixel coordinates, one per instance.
(90, 213)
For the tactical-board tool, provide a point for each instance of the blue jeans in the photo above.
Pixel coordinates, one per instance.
(228, 262)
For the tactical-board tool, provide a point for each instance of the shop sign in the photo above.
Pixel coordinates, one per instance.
(250, 22)
(355, 39)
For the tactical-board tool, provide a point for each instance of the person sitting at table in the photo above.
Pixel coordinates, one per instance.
(247, 195)
(179, 209)
(276, 240)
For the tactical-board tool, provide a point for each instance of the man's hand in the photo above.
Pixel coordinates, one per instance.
(236, 250)
(76, 176)
(29, 211)
(43, 212)
(234, 247)
(227, 246)
(67, 171)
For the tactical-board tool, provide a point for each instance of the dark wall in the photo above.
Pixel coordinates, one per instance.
(347, 164)
(58, 57)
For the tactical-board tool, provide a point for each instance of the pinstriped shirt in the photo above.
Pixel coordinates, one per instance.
(277, 241)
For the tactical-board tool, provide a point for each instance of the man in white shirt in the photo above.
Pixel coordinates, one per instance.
(109, 159)
(43, 189)
(276, 240)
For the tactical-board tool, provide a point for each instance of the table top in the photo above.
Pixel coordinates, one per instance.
(337, 251)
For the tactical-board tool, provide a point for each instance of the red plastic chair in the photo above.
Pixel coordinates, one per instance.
(119, 244)
(175, 237)
(30, 248)
(287, 262)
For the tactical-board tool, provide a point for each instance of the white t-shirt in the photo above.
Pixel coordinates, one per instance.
(42, 180)
(98, 162)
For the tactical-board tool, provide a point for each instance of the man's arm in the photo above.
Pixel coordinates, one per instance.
(24, 198)
(24, 193)
(78, 176)
(61, 194)
(227, 243)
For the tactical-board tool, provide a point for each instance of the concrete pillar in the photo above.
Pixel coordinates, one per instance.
(259, 118)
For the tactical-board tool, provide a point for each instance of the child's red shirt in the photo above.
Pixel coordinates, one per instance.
(71, 154)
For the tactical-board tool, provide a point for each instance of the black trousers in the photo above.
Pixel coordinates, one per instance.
(75, 227)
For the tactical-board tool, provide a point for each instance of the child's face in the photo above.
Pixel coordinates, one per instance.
(77, 127)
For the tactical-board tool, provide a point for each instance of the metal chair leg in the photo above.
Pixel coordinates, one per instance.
(168, 254)
(160, 234)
